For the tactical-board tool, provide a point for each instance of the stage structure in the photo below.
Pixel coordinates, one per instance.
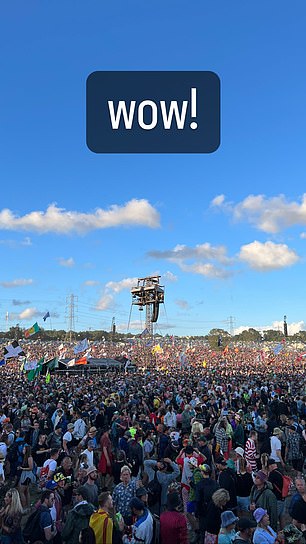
(148, 294)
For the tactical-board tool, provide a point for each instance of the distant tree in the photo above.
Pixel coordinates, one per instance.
(249, 335)
(272, 335)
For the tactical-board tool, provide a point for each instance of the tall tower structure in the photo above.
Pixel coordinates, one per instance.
(149, 294)
(71, 305)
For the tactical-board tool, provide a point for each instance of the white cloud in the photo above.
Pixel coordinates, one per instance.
(267, 256)
(26, 242)
(60, 221)
(201, 255)
(105, 302)
(137, 327)
(303, 235)
(276, 326)
(118, 286)
(208, 270)
(200, 251)
(218, 200)
(267, 214)
(16, 283)
(29, 313)
(169, 276)
(68, 263)
(91, 283)
(183, 304)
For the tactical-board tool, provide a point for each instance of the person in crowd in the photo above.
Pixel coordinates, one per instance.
(263, 497)
(10, 518)
(217, 505)
(264, 534)
(244, 484)
(163, 475)
(142, 529)
(27, 476)
(91, 486)
(245, 531)
(228, 523)
(101, 521)
(123, 494)
(173, 525)
(276, 448)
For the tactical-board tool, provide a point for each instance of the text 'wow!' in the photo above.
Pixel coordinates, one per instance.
(153, 112)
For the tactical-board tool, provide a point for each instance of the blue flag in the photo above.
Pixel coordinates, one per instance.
(46, 316)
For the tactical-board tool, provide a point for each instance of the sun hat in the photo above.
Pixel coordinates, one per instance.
(240, 451)
(259, 514)
(70, 426)
(261, 475)
(92, 430)
(227, 518)
(277, 431)
(92, 469)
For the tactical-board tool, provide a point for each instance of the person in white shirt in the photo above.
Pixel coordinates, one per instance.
(79, 428)
(89, 452)
(276, 447)
(67, 438)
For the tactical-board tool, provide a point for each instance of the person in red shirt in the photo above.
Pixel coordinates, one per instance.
(173, 524)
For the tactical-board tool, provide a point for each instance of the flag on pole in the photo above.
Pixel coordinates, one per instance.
(12, 350)
(278, 349)
(35, 372)
(48, 376)
(82, 361)
(31, 330)
(46, 316)
(52, 364)
(81, 346)
(71, 362)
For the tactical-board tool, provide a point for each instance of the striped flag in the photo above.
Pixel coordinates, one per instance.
(31, 330)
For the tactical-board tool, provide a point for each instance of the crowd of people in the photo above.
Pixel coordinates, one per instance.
(194, 446)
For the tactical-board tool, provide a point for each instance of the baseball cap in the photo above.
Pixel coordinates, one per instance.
(205, 468)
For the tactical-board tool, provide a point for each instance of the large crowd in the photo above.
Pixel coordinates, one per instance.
(195, 445)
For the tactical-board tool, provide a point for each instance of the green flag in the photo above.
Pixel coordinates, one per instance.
(52, 364)
(35, 372)
(48, 376)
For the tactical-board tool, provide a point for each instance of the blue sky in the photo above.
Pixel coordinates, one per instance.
(225, 231)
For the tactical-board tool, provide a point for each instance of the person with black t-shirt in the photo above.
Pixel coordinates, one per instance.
(41, 450)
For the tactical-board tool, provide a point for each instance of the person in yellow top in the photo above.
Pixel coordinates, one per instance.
(101, 521)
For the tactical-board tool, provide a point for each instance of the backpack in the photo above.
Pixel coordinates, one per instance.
(32, 530)
(154, 488)
(287, 483)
